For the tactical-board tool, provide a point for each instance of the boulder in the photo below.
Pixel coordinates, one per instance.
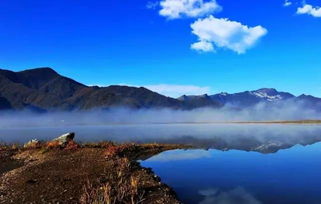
(65, 138)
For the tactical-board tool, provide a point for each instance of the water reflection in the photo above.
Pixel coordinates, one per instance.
(214, 176)
(238, 195)
(177, 155)
(260, 138)
(288, 172)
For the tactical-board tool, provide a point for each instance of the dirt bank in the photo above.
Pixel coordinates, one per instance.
(92, 173)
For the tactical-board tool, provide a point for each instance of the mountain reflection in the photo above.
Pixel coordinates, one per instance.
(290, 176)
(258, 137)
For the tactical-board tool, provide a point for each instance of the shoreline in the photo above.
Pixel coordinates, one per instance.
(178, 123)
(82, 173)
(280, 122)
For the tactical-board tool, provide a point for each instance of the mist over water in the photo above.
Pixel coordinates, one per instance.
(95, 127)
(259, 112)
(244, 163)
(196, 127)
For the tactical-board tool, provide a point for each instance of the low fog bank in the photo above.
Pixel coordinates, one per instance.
(260, 112)
(98, 125)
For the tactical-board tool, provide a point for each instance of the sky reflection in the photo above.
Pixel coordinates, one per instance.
(288, 176)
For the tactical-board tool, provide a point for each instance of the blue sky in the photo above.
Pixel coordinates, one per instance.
(124, 42)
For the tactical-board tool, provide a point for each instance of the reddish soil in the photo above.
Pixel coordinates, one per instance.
(65, 175)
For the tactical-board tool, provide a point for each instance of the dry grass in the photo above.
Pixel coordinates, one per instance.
(120, 188)
(120, 150)
(103, 144)
(8, 150)
(9, 147)
(97, 173)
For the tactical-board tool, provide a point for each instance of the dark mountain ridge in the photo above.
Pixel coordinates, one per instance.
(43, 89)
(250, 98)
(246, 99)
(200, 101)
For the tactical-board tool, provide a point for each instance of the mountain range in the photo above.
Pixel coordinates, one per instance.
(246, 99)
(43, 89)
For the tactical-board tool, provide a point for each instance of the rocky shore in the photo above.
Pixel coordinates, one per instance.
(62, 171)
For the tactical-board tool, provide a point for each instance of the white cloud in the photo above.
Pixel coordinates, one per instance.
(203, 46)
(178, 90)
(224, 33)
(309, 10)
(173, 9)
(287, 3)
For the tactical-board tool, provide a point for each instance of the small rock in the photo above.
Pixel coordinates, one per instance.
(32, 144)
(65, 138)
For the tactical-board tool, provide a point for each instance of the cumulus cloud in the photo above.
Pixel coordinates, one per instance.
(287, 3)
(224, 33)
(203, 46)
(173, 9)
(309, 10)
(178, 90)
(213, 31)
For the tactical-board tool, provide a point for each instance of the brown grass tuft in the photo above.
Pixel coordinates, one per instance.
(122, 187)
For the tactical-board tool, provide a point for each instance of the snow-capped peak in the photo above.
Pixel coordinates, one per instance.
(223, 93)
(268, 94)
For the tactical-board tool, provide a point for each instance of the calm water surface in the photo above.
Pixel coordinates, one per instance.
(248, 164)
(214, 176)
(263, 138)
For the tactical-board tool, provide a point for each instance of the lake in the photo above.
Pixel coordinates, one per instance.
(231, 163)
(214, 176)
(255, 137)
(273, 164)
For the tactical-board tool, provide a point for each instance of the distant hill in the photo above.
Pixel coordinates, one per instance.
(200, 101)
(250, 98)
(43, 89)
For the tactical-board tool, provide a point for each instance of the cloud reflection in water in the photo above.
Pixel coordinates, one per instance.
(238, 195)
